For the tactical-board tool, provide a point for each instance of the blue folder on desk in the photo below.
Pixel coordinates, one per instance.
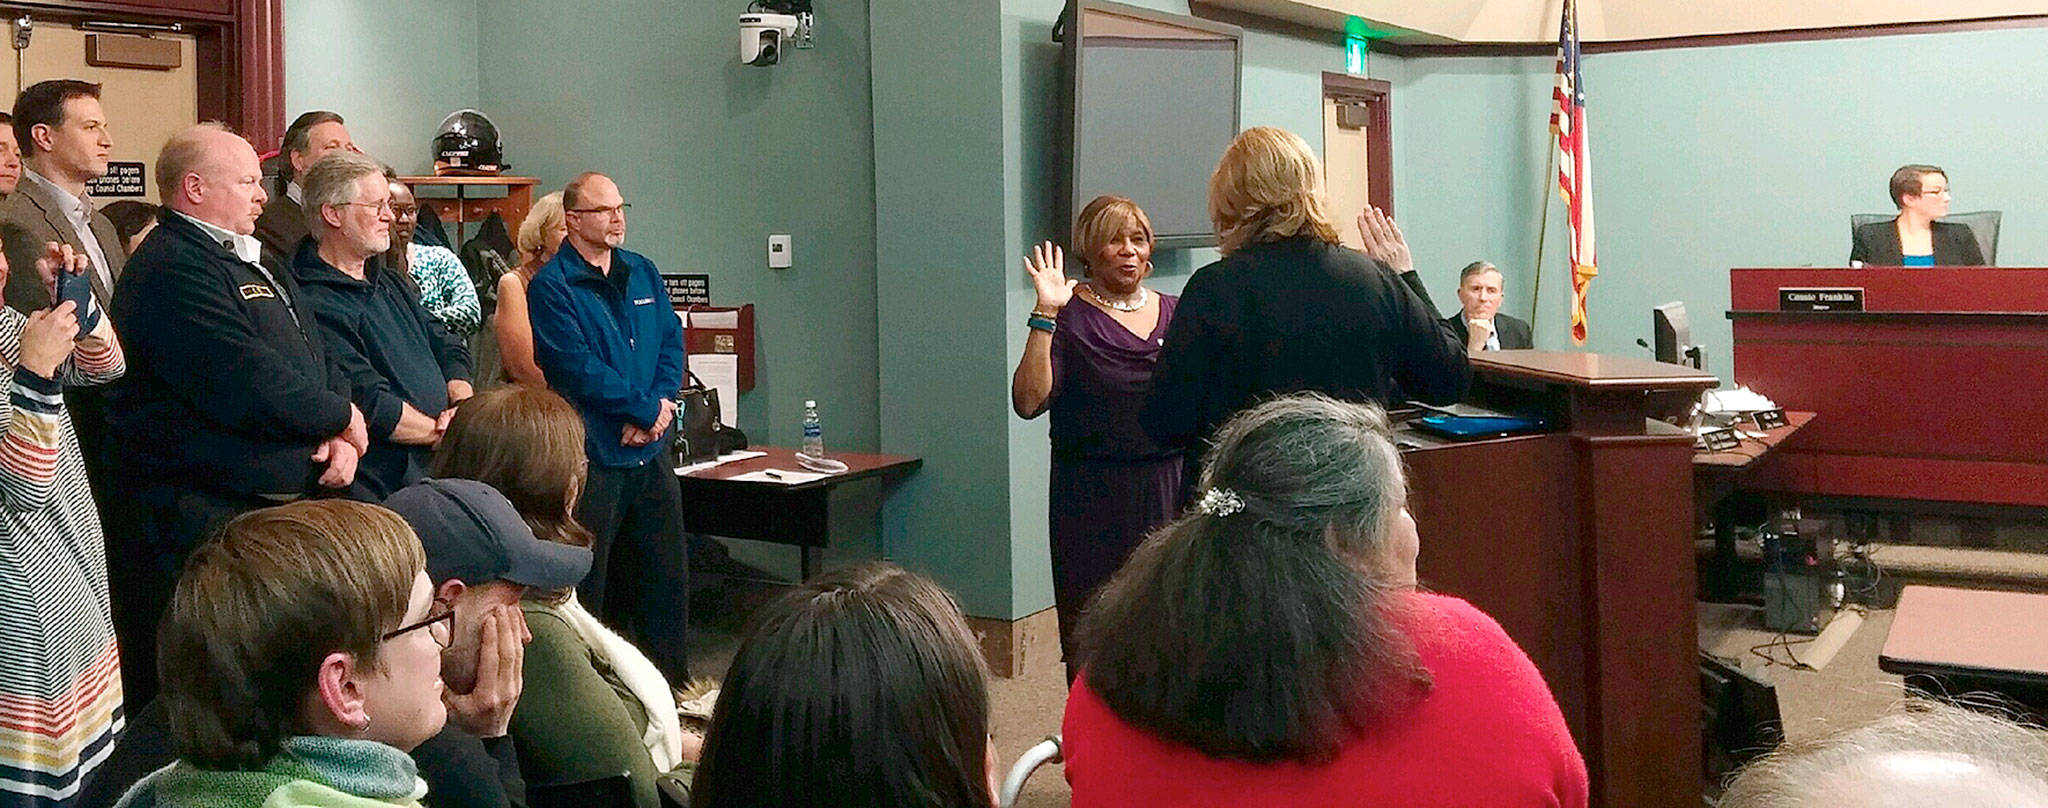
(1476, 427)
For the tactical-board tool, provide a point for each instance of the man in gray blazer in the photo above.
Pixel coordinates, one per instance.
(63, 135)
(64, 143)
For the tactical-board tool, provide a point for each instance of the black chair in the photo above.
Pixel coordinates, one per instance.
(614, 791)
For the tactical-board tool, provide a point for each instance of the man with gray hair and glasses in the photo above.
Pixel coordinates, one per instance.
(231, 402)
(406, 370)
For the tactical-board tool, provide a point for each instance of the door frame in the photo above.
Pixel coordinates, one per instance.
(239, 48)
(1376, 96)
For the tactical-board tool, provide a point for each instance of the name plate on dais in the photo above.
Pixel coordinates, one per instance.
(1717, 440)
(1820, 299)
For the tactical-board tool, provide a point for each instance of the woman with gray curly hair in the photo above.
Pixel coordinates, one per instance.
(1924, 753)
(1270, 648)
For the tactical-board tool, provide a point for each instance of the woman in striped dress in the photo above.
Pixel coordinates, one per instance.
(60, 671)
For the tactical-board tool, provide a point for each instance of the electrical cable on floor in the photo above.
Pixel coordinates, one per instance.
(1782, 640)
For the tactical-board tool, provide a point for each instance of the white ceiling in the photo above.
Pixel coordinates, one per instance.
(1528, 21)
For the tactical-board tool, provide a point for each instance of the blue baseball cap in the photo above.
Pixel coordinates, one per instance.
(473, 534)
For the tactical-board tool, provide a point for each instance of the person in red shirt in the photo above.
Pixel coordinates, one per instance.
(1270, 647)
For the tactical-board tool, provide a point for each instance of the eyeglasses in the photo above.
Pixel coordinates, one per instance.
(440, 622)
(403, 211)
(619, 209)
(380, 207)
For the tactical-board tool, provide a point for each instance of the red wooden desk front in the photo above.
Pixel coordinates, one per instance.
(1938, 390)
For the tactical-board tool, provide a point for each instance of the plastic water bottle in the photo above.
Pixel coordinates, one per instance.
(814, 431)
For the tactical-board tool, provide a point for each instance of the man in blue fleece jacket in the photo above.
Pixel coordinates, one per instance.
(608, 341)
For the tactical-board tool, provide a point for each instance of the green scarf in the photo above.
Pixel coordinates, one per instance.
(342, 771)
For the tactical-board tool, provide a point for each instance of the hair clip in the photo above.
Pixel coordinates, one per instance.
(1219, 502)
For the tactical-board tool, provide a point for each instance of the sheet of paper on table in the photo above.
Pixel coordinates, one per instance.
(779, 476)
(720, 460)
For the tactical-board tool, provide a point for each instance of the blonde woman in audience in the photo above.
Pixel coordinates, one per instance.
(60, 668)
(1271, 649)
(1920, 755)
(1288, 308)
(860, 689)
(593, 706)
(540, 235)
(301, 663)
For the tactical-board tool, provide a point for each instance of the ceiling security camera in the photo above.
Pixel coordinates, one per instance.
(763, 36)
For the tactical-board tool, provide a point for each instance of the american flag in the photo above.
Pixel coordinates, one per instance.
(1574, 164)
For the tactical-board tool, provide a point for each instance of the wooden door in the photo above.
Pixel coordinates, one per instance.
(1357, 166)
(144, 106)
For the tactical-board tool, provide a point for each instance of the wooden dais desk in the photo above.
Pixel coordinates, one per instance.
(801, 514)
(1951, 641)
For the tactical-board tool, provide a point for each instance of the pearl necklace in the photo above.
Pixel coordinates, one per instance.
(1143, 298)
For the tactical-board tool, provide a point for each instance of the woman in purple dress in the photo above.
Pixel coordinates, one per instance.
(1090, 364)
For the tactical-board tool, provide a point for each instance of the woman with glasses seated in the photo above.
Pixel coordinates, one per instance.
(1914, 238)
(1270, 648)
(301, 661)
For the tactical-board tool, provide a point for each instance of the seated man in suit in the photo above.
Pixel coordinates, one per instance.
(1915, 239)
(1480, 323)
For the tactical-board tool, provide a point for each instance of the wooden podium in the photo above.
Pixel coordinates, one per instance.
(1579, 541)
(1930, 385)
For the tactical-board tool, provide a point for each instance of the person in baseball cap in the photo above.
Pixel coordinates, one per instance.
(482, 558)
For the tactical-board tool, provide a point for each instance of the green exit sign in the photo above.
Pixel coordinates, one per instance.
(1355, 48)
(1358, 37)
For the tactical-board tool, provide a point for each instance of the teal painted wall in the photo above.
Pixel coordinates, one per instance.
(939, 207)
(1710, 158)
(393, 68)
(714, 156)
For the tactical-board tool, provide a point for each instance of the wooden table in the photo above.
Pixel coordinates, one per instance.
(801, 514)
(1946, 640)
(1716, 476)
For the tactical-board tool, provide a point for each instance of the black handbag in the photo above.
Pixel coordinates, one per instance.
(697, 418)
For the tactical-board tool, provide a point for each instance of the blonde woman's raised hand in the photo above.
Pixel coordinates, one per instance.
(1383, 240)
(1047, 268)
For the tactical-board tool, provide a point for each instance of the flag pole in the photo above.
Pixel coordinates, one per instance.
(1542, 230)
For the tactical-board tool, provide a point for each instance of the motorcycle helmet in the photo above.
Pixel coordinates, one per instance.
(468, 144)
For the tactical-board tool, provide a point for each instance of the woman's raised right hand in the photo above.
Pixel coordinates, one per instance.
(46, 341)
(1047, 268)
